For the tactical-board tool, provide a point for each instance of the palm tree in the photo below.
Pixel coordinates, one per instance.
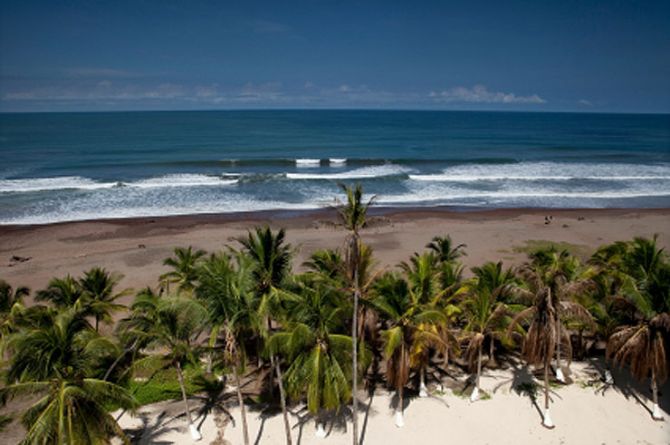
(135, 331)
(272, 265)
(444, 248)
(179, 321)
(319, 357)
(486, 313)
(57, 360)
(9, 297)
(61, 292)
(71, 411)
(328, 263)
(540, 339)
(271, 257)
(353, 215)
(434, 284)
(414, 327)
(11, 305)
(56, 349)
(184, 268)
(228, 291)
(99, 299)
(642, 340)
(563, 273)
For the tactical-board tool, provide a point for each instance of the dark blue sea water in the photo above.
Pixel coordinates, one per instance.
(73, 166)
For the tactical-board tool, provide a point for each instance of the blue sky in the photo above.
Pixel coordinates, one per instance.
(566, 55)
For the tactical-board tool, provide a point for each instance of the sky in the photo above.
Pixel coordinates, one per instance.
(591, 56)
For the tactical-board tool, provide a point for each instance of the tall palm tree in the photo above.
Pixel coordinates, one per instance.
(540, 339)
(271, 258)
(228, 291)
(56, 361)
(353, 215)
(437, 285)
(179, 321)
(641, 342)
(444, 248)
(563, 273)
(184, 268)
(99, 297)
(413, 328)
(319, 357)
(547, 290)
(486, 313)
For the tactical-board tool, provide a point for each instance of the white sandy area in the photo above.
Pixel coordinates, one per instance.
(583, 415)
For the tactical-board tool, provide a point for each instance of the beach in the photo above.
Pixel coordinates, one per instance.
(586, 412)
(136, 248)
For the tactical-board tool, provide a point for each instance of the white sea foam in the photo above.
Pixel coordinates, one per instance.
(182, 180)
(550, 171)
(109, 211)
(377, 171)
(307, 162)
(79, 183)
(57, 183)
(337, 162)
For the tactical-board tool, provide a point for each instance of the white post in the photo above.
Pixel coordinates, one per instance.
(546, 420)
(656, 412)
(423, 391)
(475, 395)
(320, 431)
(399, 420)
(559, 373)
(195, 434)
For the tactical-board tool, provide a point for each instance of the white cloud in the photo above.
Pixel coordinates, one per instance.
(585, 102)
(481, 94)
(269, 94)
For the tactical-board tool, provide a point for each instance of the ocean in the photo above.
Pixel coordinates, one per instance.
(76, 166)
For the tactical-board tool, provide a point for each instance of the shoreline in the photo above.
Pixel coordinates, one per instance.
(375, 211)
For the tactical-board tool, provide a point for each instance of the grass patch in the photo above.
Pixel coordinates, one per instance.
(163, 385)
(579, 250)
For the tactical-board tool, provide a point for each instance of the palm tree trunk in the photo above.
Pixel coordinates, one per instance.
(656, 411)
(354, 336)
(118, 359)
(491, 347)
(475, 392)
(546, 420)
(240, 400)
(559, 371)
(195, 434)
(282, 399)
(423, 391)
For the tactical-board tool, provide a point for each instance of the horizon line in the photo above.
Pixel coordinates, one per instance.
(261, 109)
